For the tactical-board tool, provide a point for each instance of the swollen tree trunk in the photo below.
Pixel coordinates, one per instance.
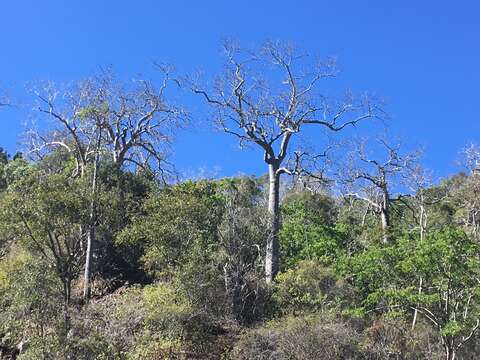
(272, 256)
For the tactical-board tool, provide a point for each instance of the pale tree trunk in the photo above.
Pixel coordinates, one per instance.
(91, 225)
(88, 262)
(450, 353)
(272, 257)
(423, 226)
(415, 312)
(385, 216)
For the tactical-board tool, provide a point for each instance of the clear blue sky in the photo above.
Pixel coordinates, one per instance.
(422, 56)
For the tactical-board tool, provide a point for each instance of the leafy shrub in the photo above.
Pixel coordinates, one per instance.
(308, 231)
(309, 287)
(31, 304)
(155, 322)
(312, 337)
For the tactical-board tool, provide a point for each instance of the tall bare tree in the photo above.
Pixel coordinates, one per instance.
(266, 98)
(103, 119)
(371, 179)
(467, 192)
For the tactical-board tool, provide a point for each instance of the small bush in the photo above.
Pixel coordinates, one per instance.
(393, 338)
(322, 336)
(309, 287)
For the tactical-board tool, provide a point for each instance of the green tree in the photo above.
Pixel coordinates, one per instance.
(45, 213)
(309, 231)
(447, 261)
(30, 299)
(172, 222)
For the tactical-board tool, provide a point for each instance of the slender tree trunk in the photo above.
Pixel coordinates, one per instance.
(385, 216)
(415, 313)
(91, 230)
(423, 226)
(88, 256)
(450, 353)
(67, 286)
(68, 292)
(272, 257)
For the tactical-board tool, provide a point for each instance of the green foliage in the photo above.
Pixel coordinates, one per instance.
(44, 214)
(173, 221)
(309, 287)
(157, 349)
(13, 171)
(178, 270)
(447, 266)
(369, 271)
(93, 111)
(165, 305)
(120, 197)
(31, 303)
(207, 236)
(157, 321)
(309, 232)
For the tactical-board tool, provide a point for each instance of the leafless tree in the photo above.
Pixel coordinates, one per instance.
(135, 123)
(371, 179)
(467, 194)
(102, 119)
(471, 156)
(418, 180)
(266, 98)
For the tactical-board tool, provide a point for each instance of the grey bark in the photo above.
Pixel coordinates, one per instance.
(374, 178)
(423, 225)
(272, 256)
(385, 216)
(135, 127)
(91, 230)
(248, 107)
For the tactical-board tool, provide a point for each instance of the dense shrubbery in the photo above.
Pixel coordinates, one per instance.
(329, 336)
(178, 273)
(309, 287)
(320, 336)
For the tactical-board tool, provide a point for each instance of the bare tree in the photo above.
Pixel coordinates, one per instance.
(471, 156)
(467, 193)
(371, 179)
(266, 98)
(418, 180)
(136, 122)
(102, 119)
